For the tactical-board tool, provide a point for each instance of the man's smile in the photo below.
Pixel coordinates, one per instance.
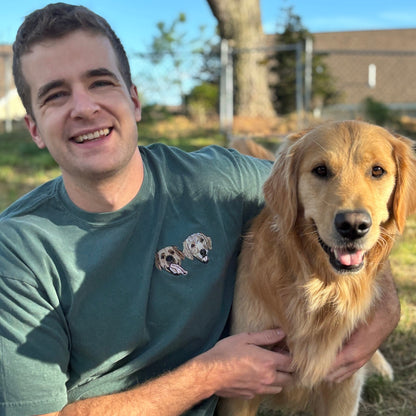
(92, 136)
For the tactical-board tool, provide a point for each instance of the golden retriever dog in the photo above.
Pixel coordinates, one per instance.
(336, 198)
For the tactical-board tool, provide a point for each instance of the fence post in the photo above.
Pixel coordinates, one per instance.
(8, 83)
(299, 84)
(226, 89)
(308, 73)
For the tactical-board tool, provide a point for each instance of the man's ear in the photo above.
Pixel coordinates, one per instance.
(137, 106)
(33, 130)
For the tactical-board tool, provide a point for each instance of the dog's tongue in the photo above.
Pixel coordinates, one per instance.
(346, 258)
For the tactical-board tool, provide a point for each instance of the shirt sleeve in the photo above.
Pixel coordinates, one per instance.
(253, 173)
(34, 351)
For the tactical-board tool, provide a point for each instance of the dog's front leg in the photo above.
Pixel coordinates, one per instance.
(341, 399)
(238, 407)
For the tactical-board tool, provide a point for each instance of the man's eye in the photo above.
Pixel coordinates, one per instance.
(101, 83)
(54, 96)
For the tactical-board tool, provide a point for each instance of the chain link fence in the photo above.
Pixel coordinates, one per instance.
(299, 77)
(386, 77)
(375, 85)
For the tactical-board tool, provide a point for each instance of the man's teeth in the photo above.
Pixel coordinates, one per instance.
(92, 136)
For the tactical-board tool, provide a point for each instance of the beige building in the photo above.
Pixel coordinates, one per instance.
(376, 63)
(11, 107)
(6, 77)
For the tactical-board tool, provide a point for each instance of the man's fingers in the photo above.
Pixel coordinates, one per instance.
(340, 375)
(264, 338)
(333, 377)
(254, 370)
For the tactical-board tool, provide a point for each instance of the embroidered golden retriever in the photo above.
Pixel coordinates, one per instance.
(170, 259)
(197, 246)
(335, 200)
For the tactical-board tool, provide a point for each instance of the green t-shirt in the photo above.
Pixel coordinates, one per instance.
(93, 304)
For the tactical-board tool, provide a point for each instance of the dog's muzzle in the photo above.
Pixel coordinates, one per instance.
(351, 226)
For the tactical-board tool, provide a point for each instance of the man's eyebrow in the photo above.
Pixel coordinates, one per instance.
(99, 72)
(44, 89)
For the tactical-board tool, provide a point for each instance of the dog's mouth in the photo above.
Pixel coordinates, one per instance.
(344, 259)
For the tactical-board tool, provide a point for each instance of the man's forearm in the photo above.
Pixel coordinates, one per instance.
(169, 395)
(237, 366)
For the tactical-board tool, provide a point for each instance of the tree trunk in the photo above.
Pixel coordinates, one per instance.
(240, 22)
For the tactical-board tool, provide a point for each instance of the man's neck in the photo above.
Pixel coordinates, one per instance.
(107, 194)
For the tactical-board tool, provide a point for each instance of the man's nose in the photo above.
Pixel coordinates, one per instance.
(83, 104)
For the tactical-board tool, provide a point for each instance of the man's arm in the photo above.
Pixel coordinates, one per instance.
(365, 340)
(236, 366)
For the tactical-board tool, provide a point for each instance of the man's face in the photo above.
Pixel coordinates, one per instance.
(83, 112)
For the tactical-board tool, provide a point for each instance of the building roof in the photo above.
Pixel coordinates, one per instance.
(367, 40)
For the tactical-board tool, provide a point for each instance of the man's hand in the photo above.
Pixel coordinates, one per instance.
(240, 367)
(367, 337)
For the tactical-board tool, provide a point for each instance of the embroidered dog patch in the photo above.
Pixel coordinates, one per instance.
(195, 246)
(170, 259)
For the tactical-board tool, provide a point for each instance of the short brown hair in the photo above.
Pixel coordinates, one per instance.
(55, 21)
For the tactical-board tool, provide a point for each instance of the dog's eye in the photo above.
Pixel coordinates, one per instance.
(377, 171)
(321, 171)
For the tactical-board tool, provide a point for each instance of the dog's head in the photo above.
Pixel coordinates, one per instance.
(197, 245)
(347, 185)
(170, 259)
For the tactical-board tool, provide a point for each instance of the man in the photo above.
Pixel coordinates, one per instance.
(92, 321)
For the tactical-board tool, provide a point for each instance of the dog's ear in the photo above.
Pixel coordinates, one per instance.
(187, 251)
(157, 261)
(178, 252)
(280, 189)
(208, 241)
(404, 198)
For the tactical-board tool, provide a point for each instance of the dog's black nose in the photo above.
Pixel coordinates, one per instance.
(353, 224)
(203, 252)
(169, 258)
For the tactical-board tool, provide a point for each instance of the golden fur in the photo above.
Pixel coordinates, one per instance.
(251, 148)
(353, 171)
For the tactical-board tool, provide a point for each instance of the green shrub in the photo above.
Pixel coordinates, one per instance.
(377, 112)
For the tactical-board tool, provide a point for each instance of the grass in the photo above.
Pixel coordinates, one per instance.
(23, 166)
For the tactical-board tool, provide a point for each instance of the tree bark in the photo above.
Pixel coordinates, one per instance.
(240, 22)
